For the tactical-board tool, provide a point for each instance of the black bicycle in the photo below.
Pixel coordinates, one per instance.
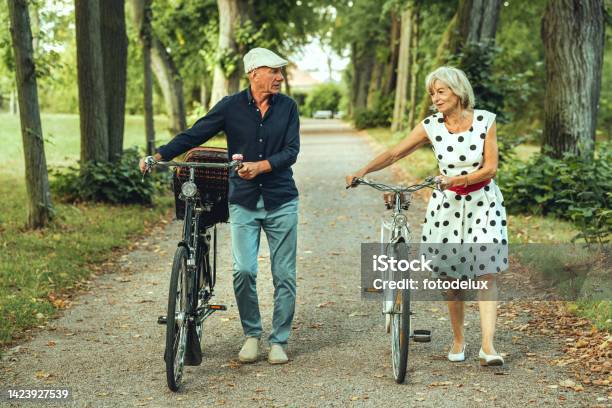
(193, 277)
(395, 235)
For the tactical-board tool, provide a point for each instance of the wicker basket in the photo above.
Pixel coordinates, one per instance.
(212, 184)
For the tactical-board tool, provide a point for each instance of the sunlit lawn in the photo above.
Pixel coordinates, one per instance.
(34, 264)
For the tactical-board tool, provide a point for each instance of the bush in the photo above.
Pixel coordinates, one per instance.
(117, 183)
(378, 116)
(572, 188)
(323, 97)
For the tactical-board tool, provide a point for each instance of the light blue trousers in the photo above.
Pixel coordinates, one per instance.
(280, 226)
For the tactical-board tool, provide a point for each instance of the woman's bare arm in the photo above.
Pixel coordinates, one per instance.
(414, 140)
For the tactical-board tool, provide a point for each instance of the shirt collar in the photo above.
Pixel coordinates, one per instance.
(251, 100)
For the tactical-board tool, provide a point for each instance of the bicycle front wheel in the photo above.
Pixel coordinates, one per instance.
(400, 334)
(176, 323)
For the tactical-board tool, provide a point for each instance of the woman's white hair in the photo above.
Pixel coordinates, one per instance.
(456, 80)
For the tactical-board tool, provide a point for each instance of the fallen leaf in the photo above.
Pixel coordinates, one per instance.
(441, 383)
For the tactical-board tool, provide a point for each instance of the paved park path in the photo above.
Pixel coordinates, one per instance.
(107, 348)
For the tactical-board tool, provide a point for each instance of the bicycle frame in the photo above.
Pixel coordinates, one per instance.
(192, 240)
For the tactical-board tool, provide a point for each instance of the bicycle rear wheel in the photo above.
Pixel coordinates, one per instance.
(176, 324)
(400, 334)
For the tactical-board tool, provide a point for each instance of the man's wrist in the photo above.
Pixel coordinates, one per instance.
(264, 166)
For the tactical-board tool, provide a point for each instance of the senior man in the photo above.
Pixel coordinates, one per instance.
(263, 125)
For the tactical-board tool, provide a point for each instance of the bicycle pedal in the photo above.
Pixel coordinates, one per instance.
(216, 307)
(421, 336)
(162, 320)
(372, 290)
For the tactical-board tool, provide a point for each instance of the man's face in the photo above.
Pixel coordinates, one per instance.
(267, 80)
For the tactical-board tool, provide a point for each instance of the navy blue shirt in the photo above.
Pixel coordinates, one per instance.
(275, 137)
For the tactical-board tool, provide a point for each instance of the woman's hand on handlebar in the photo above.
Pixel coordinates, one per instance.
(352, 177)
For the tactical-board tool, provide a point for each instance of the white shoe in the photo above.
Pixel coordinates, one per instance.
(455, 357)
(387, 309)
(490, 359)
(277, 355)
(249, 351)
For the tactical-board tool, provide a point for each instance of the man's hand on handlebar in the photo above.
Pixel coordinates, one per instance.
(144, 167)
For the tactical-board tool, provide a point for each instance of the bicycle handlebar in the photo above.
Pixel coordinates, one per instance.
(429, 181)
(150, 162)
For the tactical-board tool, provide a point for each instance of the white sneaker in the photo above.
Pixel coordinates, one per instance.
(277, 354)
(490, 359)
(456, 357)
(249, 351)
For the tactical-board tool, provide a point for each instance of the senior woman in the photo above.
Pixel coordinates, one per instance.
(469, 210)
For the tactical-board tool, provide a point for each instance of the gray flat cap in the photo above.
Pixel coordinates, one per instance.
(262, 57)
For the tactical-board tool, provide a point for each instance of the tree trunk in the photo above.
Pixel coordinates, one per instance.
(165, 71)
(390, 76)
(403, 70)
(474, 21)
(142, 13)
(114, 52)
(353, 80)
(287, 84)
(231, 14)
(92, 99)
(34, 27)
(171, 84)
(573, 32)
(414, 70)
(478, 21)
(203, 92)
(374, 86)
(13, 102)
(363, 76)
(37, 182)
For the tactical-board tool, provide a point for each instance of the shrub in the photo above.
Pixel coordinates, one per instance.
(117, 183)
(377, 116)
(323, 97)
(572, 188)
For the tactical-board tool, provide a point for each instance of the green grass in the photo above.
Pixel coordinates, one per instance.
(34, 264)
(418, 165)
(522, 228)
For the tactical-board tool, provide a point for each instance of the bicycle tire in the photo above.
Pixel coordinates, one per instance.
(400, 336)
(400, 327)
(176, 324)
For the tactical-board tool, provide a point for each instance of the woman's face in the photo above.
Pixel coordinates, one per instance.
(443, 98)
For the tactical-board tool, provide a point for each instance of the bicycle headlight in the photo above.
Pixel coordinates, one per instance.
(189, 189)
(400, 220)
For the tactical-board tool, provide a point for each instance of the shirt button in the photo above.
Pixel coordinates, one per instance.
(261, 185)
(261, 124)
(261, 140)
(261, 155)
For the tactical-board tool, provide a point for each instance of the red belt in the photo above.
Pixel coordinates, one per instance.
(472, 187)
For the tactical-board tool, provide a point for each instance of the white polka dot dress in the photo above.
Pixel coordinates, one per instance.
(476, 218)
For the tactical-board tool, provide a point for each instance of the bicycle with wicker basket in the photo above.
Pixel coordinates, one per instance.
(200, 185)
